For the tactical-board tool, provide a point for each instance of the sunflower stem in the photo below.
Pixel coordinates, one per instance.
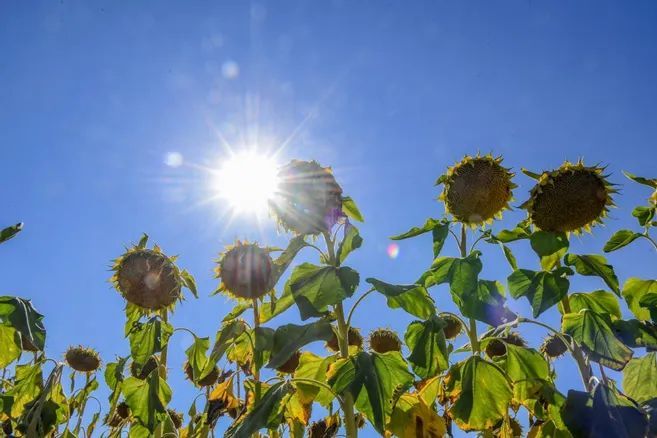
(165, 350)
(256, 374)
(76, 431)
(472, 331)
(343, 342)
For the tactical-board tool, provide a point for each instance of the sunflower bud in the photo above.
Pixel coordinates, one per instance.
(245, 271)
(383, 341)
(308, 199)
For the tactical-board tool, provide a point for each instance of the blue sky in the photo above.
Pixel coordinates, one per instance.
(94, 96)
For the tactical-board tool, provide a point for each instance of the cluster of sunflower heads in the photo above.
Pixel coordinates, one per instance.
(572, 198)
(477, 189)
(82, 359)
(308, 199)
(246, 271)
(384, 340)
(147, 278)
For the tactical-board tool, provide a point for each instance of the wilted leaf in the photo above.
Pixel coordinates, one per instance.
(196, 356)
(147, 398)
(261, 414)
(426, 341)
(412, 417)
(481, 394)
(594, 333)
(226, 336)
(412, 298)
(27, 386)
(10, 345)
(350, 242)
(594, 265)
(148, 338)
(313, 367)
(290, 338)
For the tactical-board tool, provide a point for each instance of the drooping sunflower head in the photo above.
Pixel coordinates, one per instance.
(176, 418)
(208, 380)
(570, 198)
(245, 270)
(325, 428)
(384, 340)
(553, 346)
(308, 199)
(147, 278)
(355, 339)
(123, 410)
(497, 346)
(452, 326)
(82, 359)
(477, 189)
(291, 364)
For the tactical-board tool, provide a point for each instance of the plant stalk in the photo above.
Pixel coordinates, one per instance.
(256, 374)
(165, 349)
(343, 343)
(582, 363)
(472, 330)
(76, 431)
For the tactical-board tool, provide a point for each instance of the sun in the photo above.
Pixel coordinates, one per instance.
(247, 180)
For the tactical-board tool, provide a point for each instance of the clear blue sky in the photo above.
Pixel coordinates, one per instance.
(94, 95)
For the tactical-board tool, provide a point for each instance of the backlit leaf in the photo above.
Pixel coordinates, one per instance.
(634, 290)
(10, 345)
(620, 239)
(147, 398)
(412, 298)
(350, 242)
(22, 316)
(290, 338)
(260, 416)
(148, 338)
(599, 301)
(596, 265)
(351, 210)
(640, 378)
(426, 341)
(542, 289)
(313, 367)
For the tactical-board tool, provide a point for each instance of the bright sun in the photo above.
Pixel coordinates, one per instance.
(247, 180)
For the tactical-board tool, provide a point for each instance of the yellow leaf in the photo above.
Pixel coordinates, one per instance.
(412, 417)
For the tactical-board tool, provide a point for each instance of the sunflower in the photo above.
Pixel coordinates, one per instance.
(208, 380)
(176, 418)
(245, 270)
(82, 359)
(147, 278)
(452, 326)
(325, 428)
(477, 189)
(354, 337)
(570, 198)
(553, 346)
(384, 340)
(497, 346)
(308, 199)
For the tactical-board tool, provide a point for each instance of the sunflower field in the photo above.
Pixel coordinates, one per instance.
(447, 374)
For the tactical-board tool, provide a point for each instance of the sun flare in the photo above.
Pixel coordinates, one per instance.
(247, 180)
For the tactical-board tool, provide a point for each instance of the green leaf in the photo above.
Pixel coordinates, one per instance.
(543, 289)
(148, 338)
(351, 210)
(28, 382)
(506, 236)
(412, 298)
(189, 282)
(313, 367)
(439, 235)
(226, 337)
(291, 337)
(350, 242)
(644, 215)
(196, 356)
(113, 378)
(633, 290)
(650, 182)
(481, 394)
(9, 232)
(143, 241)
(550, 247)
(426, 341)
(315, 288)
(640, 378)
(594, 265)
(431, 224)
(375, 381)
(594, 333)
(147, 398)
(274, 307)
(528, 370)
(485, 303)
(261, 414)
(600, 301)
(509, 256)
(10, 345)
(620, 239)
(636, 334)
(18, 313)
(285, 259)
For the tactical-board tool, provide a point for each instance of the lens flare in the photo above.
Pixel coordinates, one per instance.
(247, 180)
(393, 250)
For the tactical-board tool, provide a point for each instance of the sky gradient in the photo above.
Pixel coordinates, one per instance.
(95, 97)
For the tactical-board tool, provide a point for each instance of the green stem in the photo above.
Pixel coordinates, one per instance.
(256, 374)
(165, 349)
(343, 342)
(472, 330)
(76, 431)
(351, 312)
(650, 239)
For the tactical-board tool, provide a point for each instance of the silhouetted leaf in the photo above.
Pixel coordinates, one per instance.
(9, 232)
(291, 337)
(262, 413)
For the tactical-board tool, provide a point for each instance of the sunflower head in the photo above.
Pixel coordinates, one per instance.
(245, 270)
(452, 326)
(553, 346)
(82, 359)
(176, 418)
(354, 338)
(291, 364)
(112, 420)
(142, 372)
(208, 380)
(477, 189)
(308, 199)
(147, 278)
(497, 346)
(384, 340)
(123, 410)
(570, 198)
(325, 428)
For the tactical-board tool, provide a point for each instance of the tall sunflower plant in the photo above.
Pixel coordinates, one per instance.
(470, 369)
